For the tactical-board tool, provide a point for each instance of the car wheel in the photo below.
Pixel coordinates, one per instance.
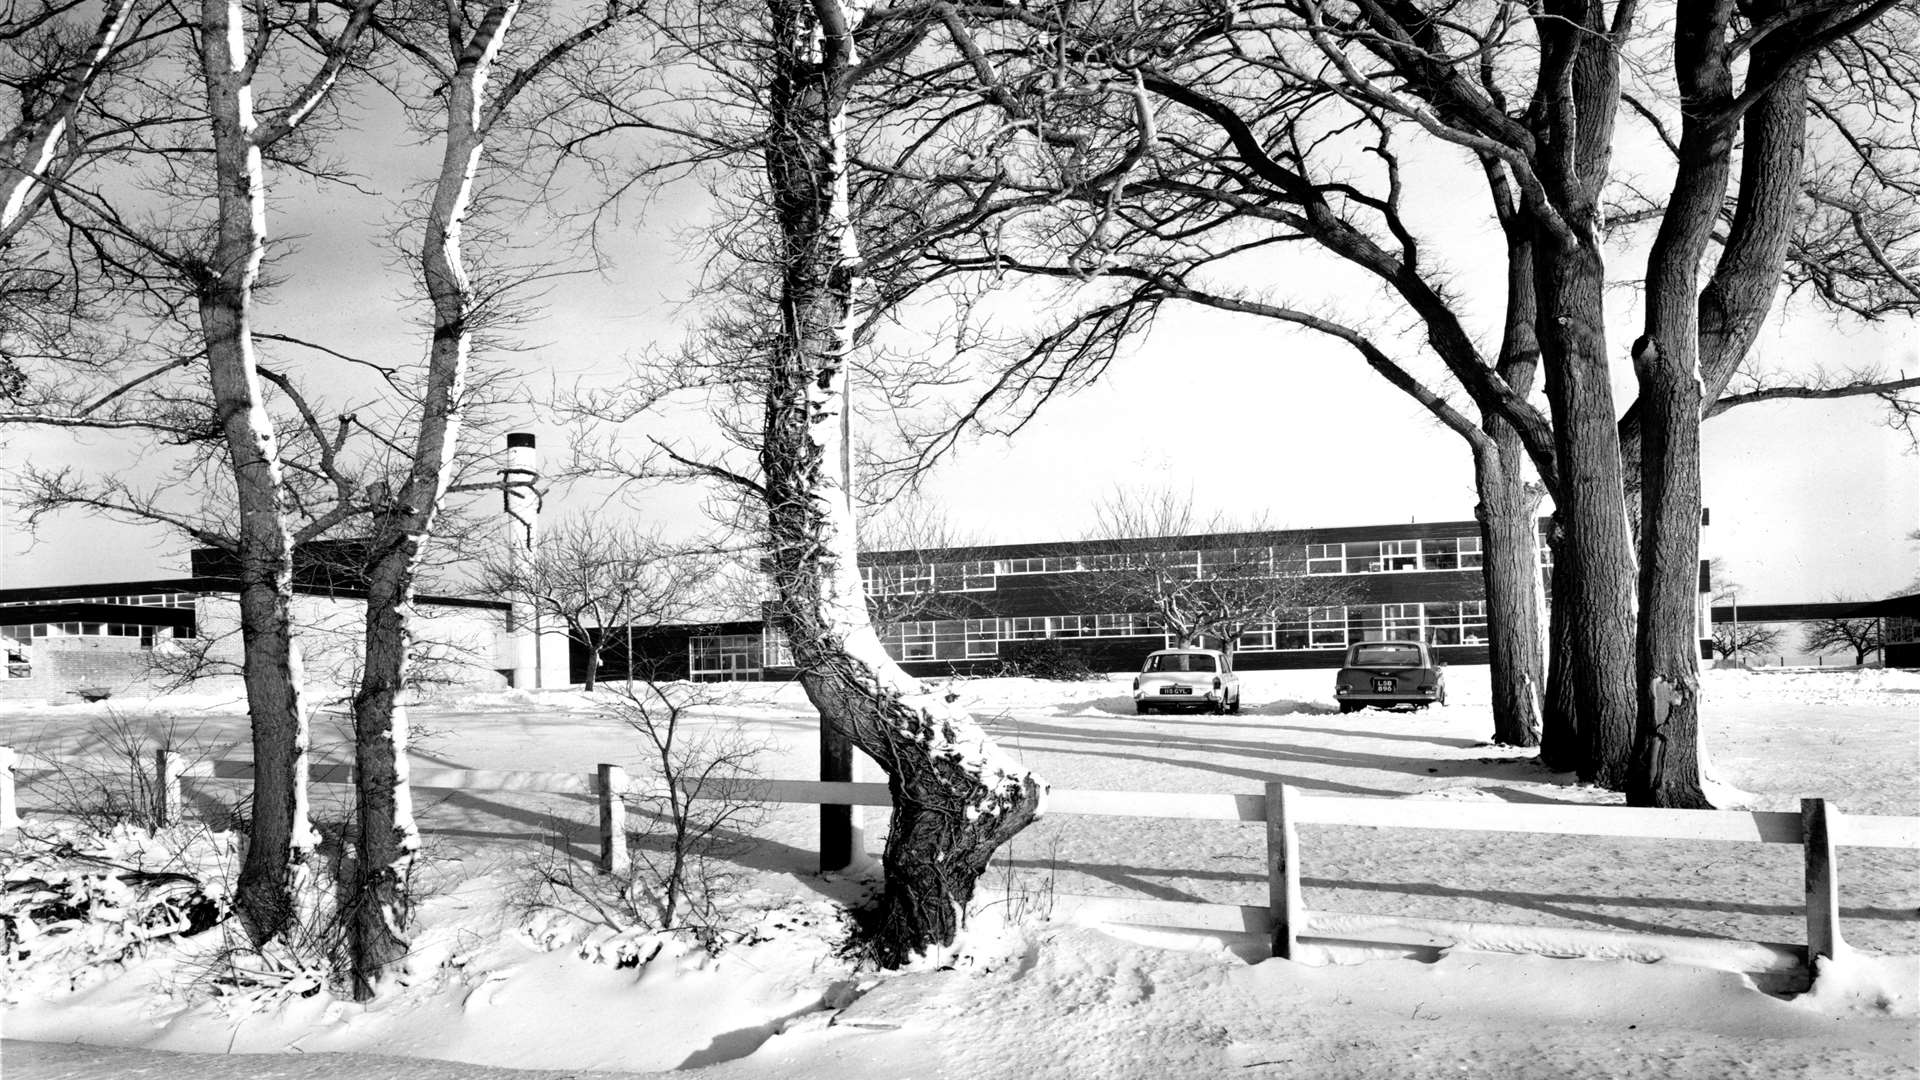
(1220, 707)
(1347, 707)
(1142, 708)
(1235, 707)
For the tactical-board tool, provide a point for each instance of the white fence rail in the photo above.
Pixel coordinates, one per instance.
(1819, 828)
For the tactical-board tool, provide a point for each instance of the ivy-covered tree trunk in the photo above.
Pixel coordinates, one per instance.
(956, 796)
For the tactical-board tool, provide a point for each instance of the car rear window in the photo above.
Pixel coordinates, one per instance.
(1180, 662)
(1385, 655)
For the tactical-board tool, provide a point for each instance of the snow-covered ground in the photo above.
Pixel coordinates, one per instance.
(495, 985)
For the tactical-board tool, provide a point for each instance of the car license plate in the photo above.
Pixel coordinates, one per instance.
(1383, 686)
(1176, 689)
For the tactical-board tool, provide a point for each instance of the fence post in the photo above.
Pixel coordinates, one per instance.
(1283, 872)
(167, 768)
(9, 809)
(613, 820)
(1823, 880)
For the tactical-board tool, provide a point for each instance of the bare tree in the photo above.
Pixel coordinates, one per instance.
(1277, 113)
(1193, 593)
(1745, 639)
(957, 797)
(919, 533)
(594, 578)
(462, 49)
(701, 804)
(1839, 634)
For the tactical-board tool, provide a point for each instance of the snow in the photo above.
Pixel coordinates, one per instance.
(1041, 984)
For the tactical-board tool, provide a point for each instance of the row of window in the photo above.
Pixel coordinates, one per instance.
(1441, 623)
(1350, 557)
(166, 599)
(29, 632)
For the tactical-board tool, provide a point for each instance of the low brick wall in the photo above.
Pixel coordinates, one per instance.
(62, 665)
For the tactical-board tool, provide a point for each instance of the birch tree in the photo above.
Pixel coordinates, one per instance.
(230, 50)
(474, 82)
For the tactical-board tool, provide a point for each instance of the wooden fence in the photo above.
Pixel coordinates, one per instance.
(1819, 828)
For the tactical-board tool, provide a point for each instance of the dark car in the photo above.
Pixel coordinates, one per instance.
(1388, 673)
(1197, 679)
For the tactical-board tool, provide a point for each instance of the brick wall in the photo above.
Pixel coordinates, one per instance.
(62, 665)
(456, 646)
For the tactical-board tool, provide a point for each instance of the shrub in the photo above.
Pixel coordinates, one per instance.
(1046, 659)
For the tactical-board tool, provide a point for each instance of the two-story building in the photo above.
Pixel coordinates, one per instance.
(958, 610)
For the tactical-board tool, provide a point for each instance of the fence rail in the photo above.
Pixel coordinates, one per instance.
(1818, 827)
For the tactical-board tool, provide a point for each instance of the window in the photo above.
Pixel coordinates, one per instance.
(1182, 662)
(1023, 626)
(1125, 626)
(1216, 562)
(777, 651)
(914, 640)
(723, 657)
(1442, 554)
(1327, 628)
(1545, 550)
(1401, 621)
(19, 657)
(983, 639)
(1256, 638)
(1399, 555)
(1443, 624)
(1363, 557)
(1326, 558)
(1473, 622)
(1385, 656)
(1469, 552)
(976, 576)
(1290, 631)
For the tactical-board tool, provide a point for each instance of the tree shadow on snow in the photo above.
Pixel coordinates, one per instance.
(1149, 746)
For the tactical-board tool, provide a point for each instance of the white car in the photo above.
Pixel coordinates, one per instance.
(1198, 679)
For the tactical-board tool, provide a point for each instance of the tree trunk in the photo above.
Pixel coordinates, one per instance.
(595, 638)
(1666, 362)
(1510, 561)
(1597, 575)
(1562, 746)
(956, 796)
(389, 836)
(280, 837)
(1576, 103)
(1510, 568)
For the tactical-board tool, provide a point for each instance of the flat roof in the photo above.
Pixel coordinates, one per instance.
(43, 593)
(1413, 530)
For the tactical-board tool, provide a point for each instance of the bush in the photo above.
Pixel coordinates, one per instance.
(1046, 659)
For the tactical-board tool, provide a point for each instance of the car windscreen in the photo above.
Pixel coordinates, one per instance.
(1386, 656)
(1180, 662)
